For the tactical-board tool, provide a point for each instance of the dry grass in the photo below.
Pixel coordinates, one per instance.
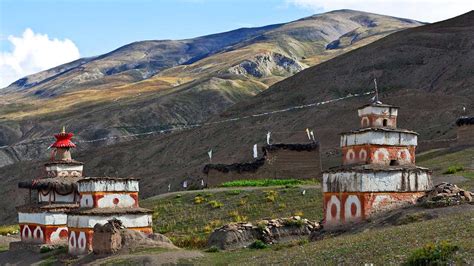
(389, 245)
(9, 229)
(188, 224)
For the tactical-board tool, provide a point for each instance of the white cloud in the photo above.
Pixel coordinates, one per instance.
(422, 10)
(34, 52)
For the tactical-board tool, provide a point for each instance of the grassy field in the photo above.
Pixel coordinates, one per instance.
(189, 218)
(266, 183)
(441, 160)
(389, 245)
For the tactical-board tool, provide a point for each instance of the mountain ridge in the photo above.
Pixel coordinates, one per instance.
(91, 96)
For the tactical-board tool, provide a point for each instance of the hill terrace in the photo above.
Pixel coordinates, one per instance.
(279, 161)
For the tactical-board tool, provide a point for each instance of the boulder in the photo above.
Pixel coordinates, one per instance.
(239, 235)
(445, 194)
(112, 238)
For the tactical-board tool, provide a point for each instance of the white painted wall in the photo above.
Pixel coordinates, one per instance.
(376, 181)
(86, 201)
(108, 185)
(55, 197)
(45, 218)
(124, 201)
(64, 167)
(128, 220)
(379, 138)
(377, 110)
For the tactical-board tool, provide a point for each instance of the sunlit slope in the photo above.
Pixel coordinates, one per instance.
(152, 84)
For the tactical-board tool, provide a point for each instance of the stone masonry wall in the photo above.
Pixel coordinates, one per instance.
(466, 135)
(279, 164)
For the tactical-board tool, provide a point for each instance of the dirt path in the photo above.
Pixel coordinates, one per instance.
(25, 257)
(161, 196)
(161, 258)
(21, 257)
(5, 240)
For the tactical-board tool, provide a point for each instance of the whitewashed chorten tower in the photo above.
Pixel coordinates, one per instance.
(378, 169)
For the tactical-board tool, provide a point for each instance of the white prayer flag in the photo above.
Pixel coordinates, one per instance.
(268, 137)
(169, 187)
(307, 132)
(185, 184)
(255, 152)
(202, 182)
(210, 154)
(312, 135)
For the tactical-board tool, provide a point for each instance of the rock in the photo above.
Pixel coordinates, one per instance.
(112, 238)
(240, 235)
(445, 194)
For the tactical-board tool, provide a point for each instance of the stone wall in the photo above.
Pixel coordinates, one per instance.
(280, 161)
(465, 135)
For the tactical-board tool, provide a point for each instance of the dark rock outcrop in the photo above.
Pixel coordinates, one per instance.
(239, 235)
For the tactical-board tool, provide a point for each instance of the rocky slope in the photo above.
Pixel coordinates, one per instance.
(152, 85)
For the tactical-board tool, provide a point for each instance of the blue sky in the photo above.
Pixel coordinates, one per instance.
(39, 34)
(99, 26)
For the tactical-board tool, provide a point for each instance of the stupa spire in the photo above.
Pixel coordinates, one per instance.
(62, 145)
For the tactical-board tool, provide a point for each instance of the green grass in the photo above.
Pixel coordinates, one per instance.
(454, 169)
(448, 162)
(384, 246)
(3, 248)
(266, 183)
(189, 224)
(433, 254)
(9, 229)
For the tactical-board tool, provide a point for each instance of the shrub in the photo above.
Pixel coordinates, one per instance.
(281, 206)
(45, 249)
(208, 195)
(303, 241)
(293, 222)
(258, 244)
(199, 200)
(233, 192)
(212, 225)
(271, 195)
(197, 242)
(454, 169)
(238, 218)
(298, 213)
(261, 226)
(9, 229)
(433, 254)
(242, 202)
(215, 204)
(212, 249)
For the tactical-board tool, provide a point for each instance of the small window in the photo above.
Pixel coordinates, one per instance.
(385, 122)
(394, 162)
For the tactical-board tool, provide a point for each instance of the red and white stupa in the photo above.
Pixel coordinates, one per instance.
(378, 171)
(44, 220)
(104, 199)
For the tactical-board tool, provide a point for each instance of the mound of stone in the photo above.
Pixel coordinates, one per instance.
(270, 231)
(112, 238)
(446, 194)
